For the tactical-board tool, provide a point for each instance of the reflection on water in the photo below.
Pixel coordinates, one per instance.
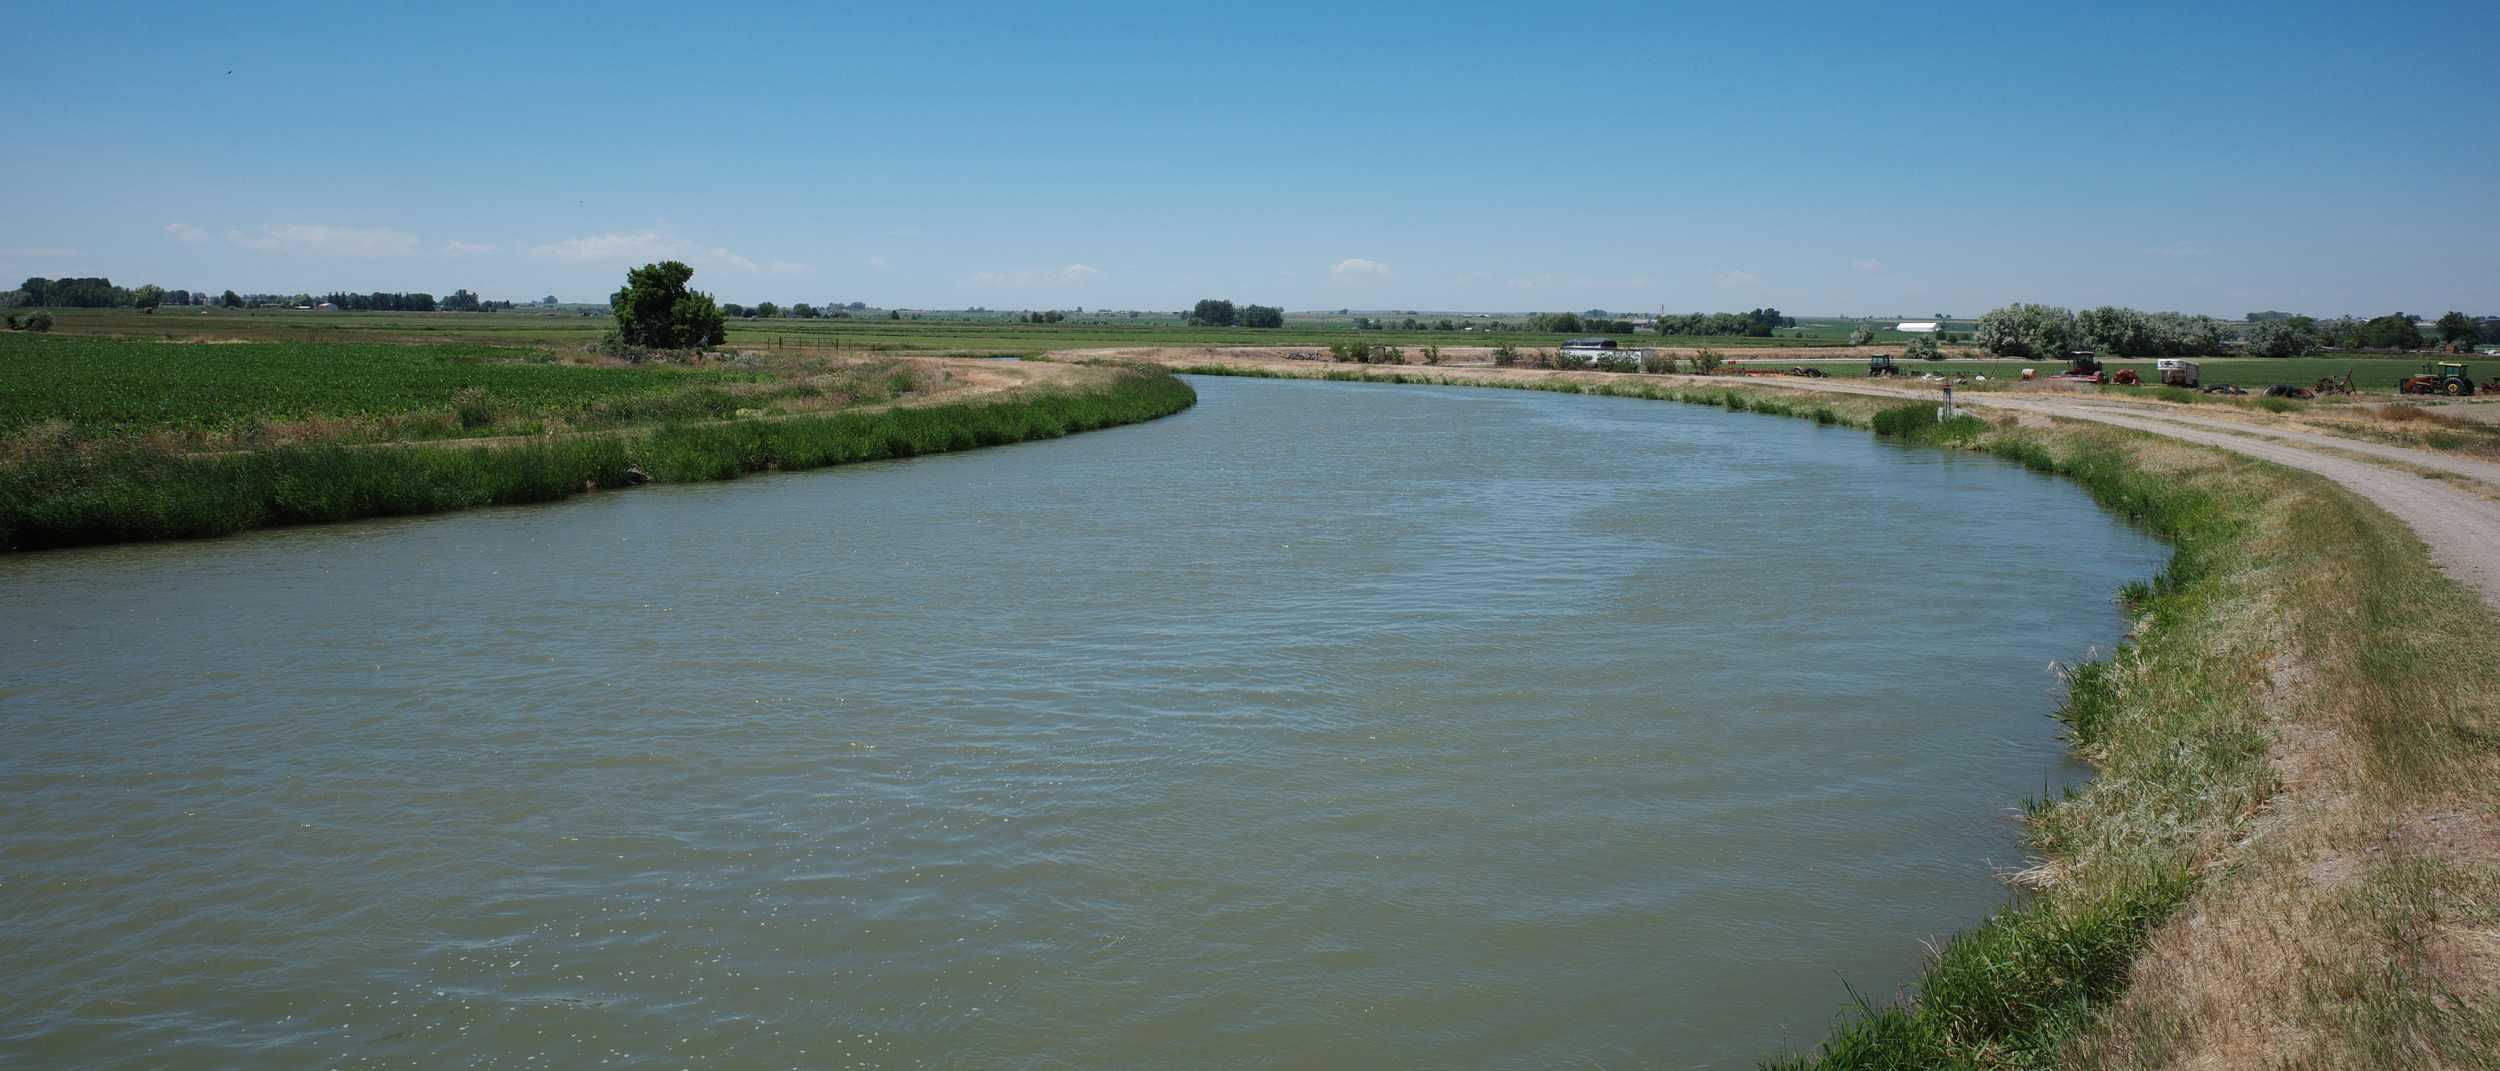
(1319, 726)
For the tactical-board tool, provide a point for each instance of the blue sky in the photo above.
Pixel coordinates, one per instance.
(1822, 159)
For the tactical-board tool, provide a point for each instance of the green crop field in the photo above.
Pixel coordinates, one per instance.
(1826, 328)
(931, 332)
(110, 388)
(992, 334)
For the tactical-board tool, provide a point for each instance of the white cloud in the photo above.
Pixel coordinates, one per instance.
(1356, 268)
(1472, 277)
(1866, 265)
(876, 262)
(464, 249)
(735, 261)
(1067, 276)
(2179, 249)
(184, 232)
(1737, 280)
(784, 267)
(645, 246)
(359, 242)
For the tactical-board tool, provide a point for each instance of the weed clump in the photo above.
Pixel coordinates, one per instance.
(1917, 422)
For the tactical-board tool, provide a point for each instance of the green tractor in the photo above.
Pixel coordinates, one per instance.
(1881, 365)
(2441, 377)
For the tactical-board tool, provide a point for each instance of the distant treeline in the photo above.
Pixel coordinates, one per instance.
(381, 302)
(1213, 312)
(1756, 324)
(100, 293)
(1566, 323)
(97, 294)
(800, 311)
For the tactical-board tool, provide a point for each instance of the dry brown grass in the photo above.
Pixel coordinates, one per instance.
(2399, 414)
(2348, 921)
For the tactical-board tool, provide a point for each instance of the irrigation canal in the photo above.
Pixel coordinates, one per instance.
(1322, 725)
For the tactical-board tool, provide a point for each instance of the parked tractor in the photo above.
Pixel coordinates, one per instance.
(1881, 365)
(2440, 377)
(2083, 367)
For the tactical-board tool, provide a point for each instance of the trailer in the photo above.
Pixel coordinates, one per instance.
(1591, 347)
(2178, 372)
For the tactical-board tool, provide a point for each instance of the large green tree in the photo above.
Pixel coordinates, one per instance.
(2394, 332)
(1214, 313)
(2459, 327)
(657, 310)
(2283, 338)
(2038, 332)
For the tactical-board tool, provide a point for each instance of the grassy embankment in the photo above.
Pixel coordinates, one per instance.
(104, 440)
(2266, 871)
(2291, 853)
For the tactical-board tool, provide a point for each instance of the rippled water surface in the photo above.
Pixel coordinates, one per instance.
(1320, 726)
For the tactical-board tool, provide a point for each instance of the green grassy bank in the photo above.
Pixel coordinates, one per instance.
(2266, 870)
(2297, 639)
(109, 492)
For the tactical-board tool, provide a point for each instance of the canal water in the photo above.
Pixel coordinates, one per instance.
(1320, 726)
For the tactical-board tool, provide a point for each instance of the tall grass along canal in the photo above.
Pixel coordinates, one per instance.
(1320, 725)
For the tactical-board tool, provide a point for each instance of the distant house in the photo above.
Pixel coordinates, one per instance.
(327, 306)
(1922, 327)
(1589, 347)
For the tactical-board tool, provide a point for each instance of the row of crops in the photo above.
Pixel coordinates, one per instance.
(111, 388)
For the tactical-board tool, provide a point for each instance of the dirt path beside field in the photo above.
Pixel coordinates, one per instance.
(2462, 528)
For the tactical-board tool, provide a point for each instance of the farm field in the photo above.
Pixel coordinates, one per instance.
(105, 439)
(73, 388)
(975, 336)
(1824, 328)
(820, 339)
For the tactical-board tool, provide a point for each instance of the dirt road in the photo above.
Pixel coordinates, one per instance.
(2458, 520)
(2461, 526)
